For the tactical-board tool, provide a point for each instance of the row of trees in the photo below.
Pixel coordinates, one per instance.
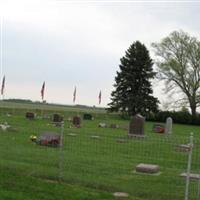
(178, 64)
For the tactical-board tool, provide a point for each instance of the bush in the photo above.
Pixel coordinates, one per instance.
(182, 117)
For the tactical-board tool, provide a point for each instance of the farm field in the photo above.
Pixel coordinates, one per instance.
(95, 162)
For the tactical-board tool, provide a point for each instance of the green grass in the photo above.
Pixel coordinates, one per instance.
(93, 168)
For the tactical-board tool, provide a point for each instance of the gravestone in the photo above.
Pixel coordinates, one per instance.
(168, 125)
(87, 116)
(114, 126)
(136, 126)
(57, 118)
(30, 115)
(191, 175)
(77, 121)
(183, 148)
(147, 168)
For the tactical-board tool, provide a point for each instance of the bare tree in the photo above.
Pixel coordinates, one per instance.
(179, 65)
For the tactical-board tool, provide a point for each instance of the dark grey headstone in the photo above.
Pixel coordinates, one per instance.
(136, 126)
(30, 115)
(87, 116)
(77, 121)
(57, 118)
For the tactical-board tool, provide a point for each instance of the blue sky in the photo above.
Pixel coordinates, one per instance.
(80, 43)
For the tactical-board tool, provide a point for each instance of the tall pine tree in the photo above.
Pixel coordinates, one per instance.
(133, 89)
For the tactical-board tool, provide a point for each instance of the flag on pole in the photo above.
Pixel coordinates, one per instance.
(74, 95)
(100, 97)
(42, 90)
(3, 86)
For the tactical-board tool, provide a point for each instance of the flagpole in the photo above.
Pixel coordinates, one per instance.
(42, 97)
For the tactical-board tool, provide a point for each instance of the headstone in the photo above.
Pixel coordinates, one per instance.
(57, 118)
(183, 148)
(136, 126)
(158, 128)
(114, 126)
(192, 176)
(121, 194)
(77, 121)
(168, 125)
(30, 115)
(87, 116)
(147, 168)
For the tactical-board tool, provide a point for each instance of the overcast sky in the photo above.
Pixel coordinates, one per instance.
(79, 43)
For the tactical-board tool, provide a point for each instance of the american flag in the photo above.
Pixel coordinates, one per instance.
(100, 97)
(42, 90)
(74, 95)
(3, 86)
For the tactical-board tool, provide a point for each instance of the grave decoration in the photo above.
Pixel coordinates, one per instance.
(102, 125)
(47, 139)
(158, 128)
(5, 126)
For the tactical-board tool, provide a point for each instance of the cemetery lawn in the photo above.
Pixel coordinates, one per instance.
(92, 167)
(13, 186)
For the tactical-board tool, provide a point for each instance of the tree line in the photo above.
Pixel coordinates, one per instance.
(177, 64)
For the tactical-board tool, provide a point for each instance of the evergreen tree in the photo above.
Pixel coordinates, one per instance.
(133, 89)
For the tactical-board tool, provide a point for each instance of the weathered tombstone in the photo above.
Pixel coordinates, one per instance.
(168, 125)
(30, 115)
(136, 126)
(192, 176)
(77, 121)
(183, 148)
(147, 168)
(87, 116)
(114, 126)
(57, 118)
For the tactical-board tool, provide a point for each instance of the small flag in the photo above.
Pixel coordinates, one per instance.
(74, 95)
(3, 86)
(42, 90)
(100, 97)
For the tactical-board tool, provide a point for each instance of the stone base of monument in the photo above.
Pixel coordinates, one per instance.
(136, 136)
(183, 148)
(192, 176)
(148, 168)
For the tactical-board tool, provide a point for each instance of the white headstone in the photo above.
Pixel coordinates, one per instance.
(168, 125)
